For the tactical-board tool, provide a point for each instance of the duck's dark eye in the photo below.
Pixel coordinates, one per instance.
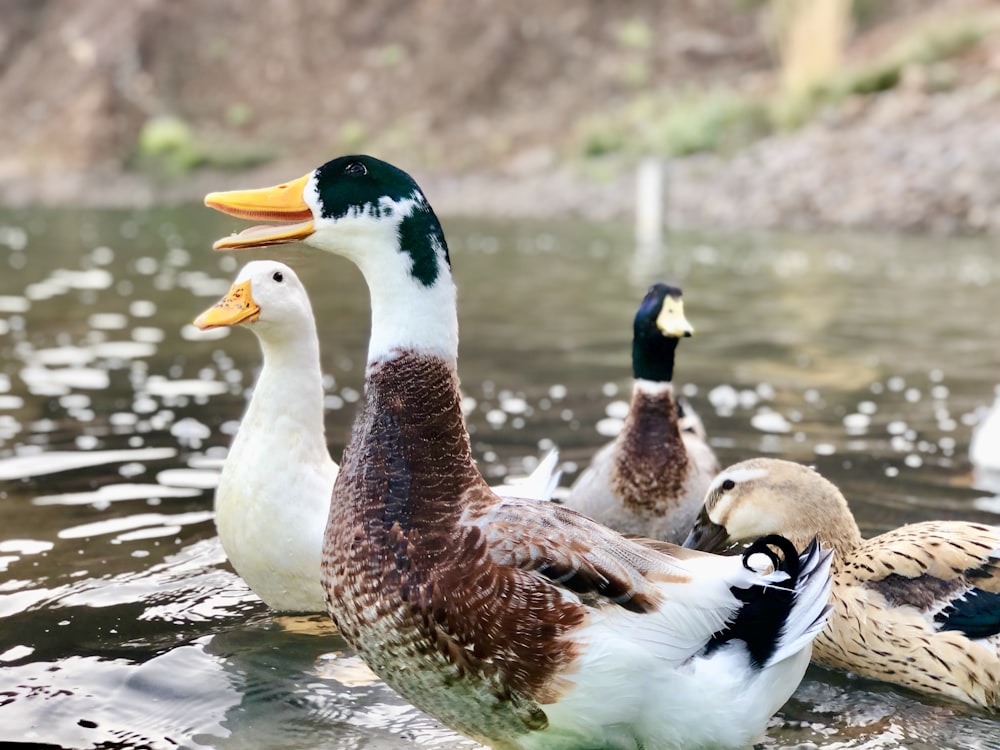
(278, 276)
(356, 169)
(728, 485)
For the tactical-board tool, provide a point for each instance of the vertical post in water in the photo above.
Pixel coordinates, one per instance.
(649, 210)
(649, 202)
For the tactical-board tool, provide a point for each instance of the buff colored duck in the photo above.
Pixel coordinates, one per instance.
(918, 606)
(520, 624)
(273, 496)
(652, 478)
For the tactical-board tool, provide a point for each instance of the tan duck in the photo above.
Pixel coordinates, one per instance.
(918, 606)
(518, 623)
(652, 478)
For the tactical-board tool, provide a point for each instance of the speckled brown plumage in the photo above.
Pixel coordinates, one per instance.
(651, 464)
(895, 596)
(479, 632)
(651, 479)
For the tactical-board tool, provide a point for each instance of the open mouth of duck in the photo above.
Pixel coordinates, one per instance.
(280, 203)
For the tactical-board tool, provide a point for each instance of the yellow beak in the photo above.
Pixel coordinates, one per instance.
(671, 320)
(279, 203)
(236, 307)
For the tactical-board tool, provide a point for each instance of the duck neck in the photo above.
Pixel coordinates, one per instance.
(826, 515)
(279, 409)
(653, 412)
(653, 357)
(425, 322)
(401, 251)
(843, 535)
(409, 462)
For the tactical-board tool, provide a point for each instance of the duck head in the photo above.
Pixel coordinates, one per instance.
(267, 295)
(659, 325)
(337, 207)
(376, 216)
(765, 496)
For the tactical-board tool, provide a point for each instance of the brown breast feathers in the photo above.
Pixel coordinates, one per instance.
(413, 589)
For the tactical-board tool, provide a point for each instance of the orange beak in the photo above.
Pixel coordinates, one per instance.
(236, 307)
(279, 203)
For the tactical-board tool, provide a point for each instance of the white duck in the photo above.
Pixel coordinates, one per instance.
(273, 496)
(984, 449)
(520, 624)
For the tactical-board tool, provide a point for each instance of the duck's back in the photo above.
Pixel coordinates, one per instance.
(918, 606)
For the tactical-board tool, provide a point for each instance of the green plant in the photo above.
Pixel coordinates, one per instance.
(167, 146)
(169, 142)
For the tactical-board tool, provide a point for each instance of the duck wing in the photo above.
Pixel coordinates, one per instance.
(948, 570)
(681, 600)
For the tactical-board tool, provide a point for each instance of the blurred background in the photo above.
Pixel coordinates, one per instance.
(772, 113)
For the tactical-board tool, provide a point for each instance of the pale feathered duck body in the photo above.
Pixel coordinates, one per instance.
(273, 496)
(520, 624)
(651, 479)
(917, 606)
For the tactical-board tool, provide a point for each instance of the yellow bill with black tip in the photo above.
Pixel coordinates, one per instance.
(236, 307)
(671, 320)
(282, 202)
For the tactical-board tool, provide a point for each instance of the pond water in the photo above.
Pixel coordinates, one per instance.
(121, 624)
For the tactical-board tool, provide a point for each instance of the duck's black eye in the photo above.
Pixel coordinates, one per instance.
(278, 276)
(356, 169)
(728, 485)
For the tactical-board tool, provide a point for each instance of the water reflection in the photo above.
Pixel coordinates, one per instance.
(871, 357)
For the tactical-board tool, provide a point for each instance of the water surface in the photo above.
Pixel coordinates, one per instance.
(121, 624)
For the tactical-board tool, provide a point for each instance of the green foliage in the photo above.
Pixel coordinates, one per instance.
(927, 48)
(238, 115)
(169, 141)
(167, 146)
(390, 56)
(712, 122)
(634, 34)
(941, 42)
(678, 124)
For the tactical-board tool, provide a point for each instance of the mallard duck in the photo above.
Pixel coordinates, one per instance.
(520, 624)
(918, 606)
(651, 479)
(273, 496)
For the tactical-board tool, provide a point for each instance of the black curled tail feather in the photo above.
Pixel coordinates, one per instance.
(788, 562)
(780, 617)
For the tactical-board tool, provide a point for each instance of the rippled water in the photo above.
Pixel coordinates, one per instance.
(121, 624)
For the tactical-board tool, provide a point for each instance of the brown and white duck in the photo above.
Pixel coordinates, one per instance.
(652, 478)
(520, 624)
(273, 496)
(918, 606)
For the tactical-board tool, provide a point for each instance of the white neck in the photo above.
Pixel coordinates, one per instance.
(287, 400)
(652, 387)
(406, 315)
